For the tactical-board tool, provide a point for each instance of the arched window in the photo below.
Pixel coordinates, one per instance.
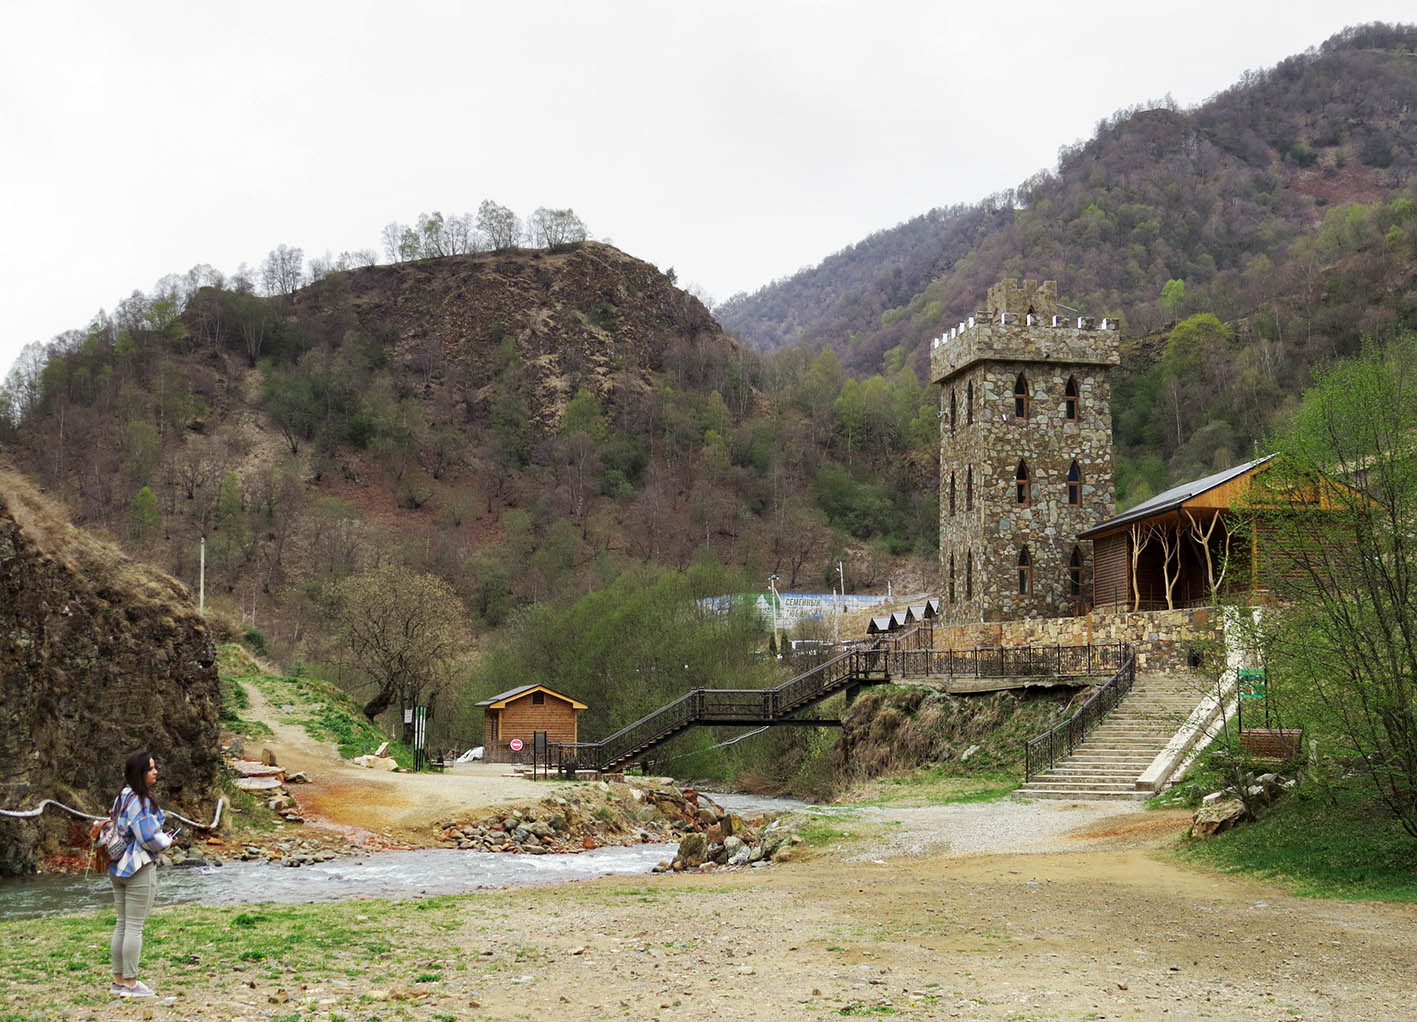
(1070, 400)
(969, 404)
(969, 489)
(952, 494)
(1021, 398)
(952, 578)
(1074, 484)
(954, 405)
(1025, 573)
(1075, 573)
(969, 575)
(1022, 485)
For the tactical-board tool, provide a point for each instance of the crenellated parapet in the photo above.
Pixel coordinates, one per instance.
(1024, 337)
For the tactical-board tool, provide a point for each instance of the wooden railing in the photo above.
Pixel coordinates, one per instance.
(1042, 752)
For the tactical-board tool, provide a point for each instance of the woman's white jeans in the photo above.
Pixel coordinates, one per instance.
(133, 898)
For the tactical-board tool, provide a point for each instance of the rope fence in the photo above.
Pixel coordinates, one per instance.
(80, 814)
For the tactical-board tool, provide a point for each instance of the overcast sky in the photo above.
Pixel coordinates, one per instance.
(735, 142)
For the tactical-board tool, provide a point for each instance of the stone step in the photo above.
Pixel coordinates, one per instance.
(1086, 795)
(1091, 772)
(1084, 784)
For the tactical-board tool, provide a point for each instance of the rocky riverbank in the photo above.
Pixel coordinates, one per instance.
(625, 812)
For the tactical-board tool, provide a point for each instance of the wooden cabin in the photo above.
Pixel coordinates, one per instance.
(521, 712)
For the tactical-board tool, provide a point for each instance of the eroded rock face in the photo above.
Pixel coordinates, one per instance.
(99, 656)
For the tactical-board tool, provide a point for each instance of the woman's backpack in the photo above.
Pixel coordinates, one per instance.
(108, 840)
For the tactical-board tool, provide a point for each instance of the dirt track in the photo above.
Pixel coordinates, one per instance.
(904, 923)
(401, 808)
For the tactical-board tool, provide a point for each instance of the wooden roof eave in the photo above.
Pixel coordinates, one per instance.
(502, 704)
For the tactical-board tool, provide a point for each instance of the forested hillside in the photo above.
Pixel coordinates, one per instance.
(1283, 206)
(514, 428)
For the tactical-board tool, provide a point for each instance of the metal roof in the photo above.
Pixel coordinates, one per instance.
(1173, 498)
(521, 690)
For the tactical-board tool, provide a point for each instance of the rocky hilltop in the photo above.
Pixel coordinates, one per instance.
(99, 656)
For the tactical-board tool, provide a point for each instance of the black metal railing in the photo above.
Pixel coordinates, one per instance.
(1042, 752)
(1008, 661)
(723, 706)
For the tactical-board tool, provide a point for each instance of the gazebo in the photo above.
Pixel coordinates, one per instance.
(1177, 548)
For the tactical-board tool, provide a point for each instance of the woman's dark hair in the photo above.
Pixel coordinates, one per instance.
(135, 772)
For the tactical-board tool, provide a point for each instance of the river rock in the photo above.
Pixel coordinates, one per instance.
(692, 851)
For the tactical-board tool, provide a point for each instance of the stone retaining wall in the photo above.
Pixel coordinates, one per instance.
(1165, 640)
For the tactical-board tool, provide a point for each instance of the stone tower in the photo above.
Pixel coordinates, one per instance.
(1025, 454)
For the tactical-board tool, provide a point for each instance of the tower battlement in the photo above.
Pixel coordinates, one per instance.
(1025, 453)
(1038, 300)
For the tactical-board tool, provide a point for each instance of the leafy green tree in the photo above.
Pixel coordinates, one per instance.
(144, 518)
(402, 631)
(1342, 641)
(1173, 297)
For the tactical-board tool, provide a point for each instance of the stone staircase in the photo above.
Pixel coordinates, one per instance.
(1107, 764)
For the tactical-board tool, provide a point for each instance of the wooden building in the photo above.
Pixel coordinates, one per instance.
(1177, 549)
(521, 712)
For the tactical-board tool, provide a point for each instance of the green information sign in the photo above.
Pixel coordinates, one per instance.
(1252, 682)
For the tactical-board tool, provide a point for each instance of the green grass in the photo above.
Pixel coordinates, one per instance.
(1350, 847)
(327, 713)
(939, 785)
(384, 942)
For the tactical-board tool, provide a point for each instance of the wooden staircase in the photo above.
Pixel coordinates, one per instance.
(1107, 764)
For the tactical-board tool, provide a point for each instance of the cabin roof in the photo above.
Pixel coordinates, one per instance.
(501, 699)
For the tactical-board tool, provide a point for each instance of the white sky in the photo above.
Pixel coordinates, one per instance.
(735, 141)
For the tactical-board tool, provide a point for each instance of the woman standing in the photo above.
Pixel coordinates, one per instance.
(134, 873)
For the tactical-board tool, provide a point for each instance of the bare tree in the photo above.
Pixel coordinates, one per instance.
(556, 228)
(282, 273)
(392, 238)
(1202, 535)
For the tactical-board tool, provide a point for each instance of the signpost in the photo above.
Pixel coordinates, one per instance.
(417, 717)
(1252, 684)
(515, 745)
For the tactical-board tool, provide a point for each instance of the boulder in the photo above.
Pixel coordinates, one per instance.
(1217, 816)
(692, 851)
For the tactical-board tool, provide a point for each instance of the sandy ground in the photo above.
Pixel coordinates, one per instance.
(1007, 910)
(401, 807)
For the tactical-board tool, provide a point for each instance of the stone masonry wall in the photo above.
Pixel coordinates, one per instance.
(1165, 640)
(984, 528)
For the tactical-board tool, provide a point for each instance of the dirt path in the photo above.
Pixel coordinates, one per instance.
(1005, 910)
(401, 807)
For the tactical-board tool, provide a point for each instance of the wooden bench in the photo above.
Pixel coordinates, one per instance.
(1272, 742)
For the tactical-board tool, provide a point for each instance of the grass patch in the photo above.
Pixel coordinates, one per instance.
(816, 833)
(937, 785)
(52, 967)
(1349, 846)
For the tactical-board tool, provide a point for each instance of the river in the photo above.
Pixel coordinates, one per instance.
(409, 874)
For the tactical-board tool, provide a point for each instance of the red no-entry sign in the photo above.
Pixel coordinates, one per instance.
(516, 744)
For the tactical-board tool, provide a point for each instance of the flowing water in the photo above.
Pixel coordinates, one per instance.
(383, 875)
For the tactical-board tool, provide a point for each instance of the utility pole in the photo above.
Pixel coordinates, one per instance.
(772, 587)
(842, 576)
